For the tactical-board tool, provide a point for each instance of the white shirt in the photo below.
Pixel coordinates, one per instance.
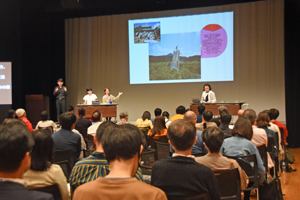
(44, 124)
(93, 129)
(211, 96)
(89, 98)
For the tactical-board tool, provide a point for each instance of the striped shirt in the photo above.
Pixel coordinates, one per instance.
(92, 167)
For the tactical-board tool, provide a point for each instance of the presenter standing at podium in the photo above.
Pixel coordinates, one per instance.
(90, 97)
(108, 98)
(208, 96)
(60, 92)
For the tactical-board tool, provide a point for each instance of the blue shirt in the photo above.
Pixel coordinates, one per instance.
(199, 118)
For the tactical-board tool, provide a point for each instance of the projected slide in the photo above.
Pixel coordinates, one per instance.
(193, 48)
(5, 83)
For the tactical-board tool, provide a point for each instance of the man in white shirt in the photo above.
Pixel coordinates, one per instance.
(97, 118)
(208, 96)
(90, 97)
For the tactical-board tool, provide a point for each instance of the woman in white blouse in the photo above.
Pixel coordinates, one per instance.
(208, 96)
(90, 97)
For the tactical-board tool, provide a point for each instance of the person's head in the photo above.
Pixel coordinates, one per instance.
(66, 120)
(16, 143)
(166, 114)
(106, 91)
(159, 124)
(89, 91)
(222, 109)
(96, 116)
(191, 117)
(105, 126)
(213, 138)
(206, 87)
(11, 114)
(250, 114)
(122, 143)
(180, 110)
(182, 135)
(70, 109)
(81, 112)
(13, 122)
(20, 113)
(146, 115)
(273, 114)
(201, 108)
(124, 115)
(225, 118)
(42, 152)
(262, 119)
(240, 113)
(60, 82)
(157, 112)
(243, 127)
(44, 116)
(207, 115)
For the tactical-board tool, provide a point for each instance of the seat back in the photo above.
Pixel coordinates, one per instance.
(229, 183)
(82, 131)
(203, 196)
(90, 137)
(263, 154)
(64, 165)
(51, 189)
(145, 131)
(281, 134)
(162, 150)
(148, 157)
(163, 139)
(49, 128)
(89, 143)
(271, 147)
(62, 156)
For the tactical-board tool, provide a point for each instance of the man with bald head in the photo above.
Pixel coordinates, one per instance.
(240, 113)
(198, 146)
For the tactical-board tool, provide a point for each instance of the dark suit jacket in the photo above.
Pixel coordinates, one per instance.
(226, 130)
(184, 177)
(15, 191)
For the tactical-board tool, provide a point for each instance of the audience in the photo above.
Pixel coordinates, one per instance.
(157, 112)
(21, 114)
(70, 109)
(123, 146)
(206, 121)
(82, 123)
(159, 128)
(225, 121)
(96, 165)
(201, 109)
(16, 144)
(274, 113)
(181, 175)
(12, 122)
(213, 138)
(179, 113)
(123, 118)
(42, 172)
(221, 110)
(167, 118)
(145, 121)
(45, 122)
(11, 114)
(240, 113)
(65, 138)
(97, 118)
(198, 147)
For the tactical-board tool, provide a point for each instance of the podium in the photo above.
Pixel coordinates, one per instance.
(233, 108)
(107, 110)
(35, 104)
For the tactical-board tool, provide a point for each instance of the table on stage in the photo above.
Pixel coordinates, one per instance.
(107, 110)
(213, 107)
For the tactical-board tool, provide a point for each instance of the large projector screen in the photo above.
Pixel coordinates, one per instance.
(192, 48)
(5, 83)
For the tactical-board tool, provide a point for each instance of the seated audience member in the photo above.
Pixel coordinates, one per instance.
(45, 122)
(82, 123)
(12, 122)
(159, 128)
(21, 114)
(42, 172)
(201, 109)
(240, 144)
(274, 113)
(213, 138)
(11, 114)
(123, 146)
(198, 147)
(181, 175)
(221, 110)
(70, 109)
(14, 162)
(97, 118)
(206, 121)
(180, 110)
(144, 121)
(96, 165)
(157, 112)
(225, 121)
(123, 118)
(65, 138)
(167, 118)
(240, 113)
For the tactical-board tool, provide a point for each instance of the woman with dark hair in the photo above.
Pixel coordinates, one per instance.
(45, 122)
(159, 128)
(42, 172)
(208, 96)
(240, 145)
(167, 118)
(145, 121)
(11, 114)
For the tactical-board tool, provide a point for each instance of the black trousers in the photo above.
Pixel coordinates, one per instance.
(60, 107)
